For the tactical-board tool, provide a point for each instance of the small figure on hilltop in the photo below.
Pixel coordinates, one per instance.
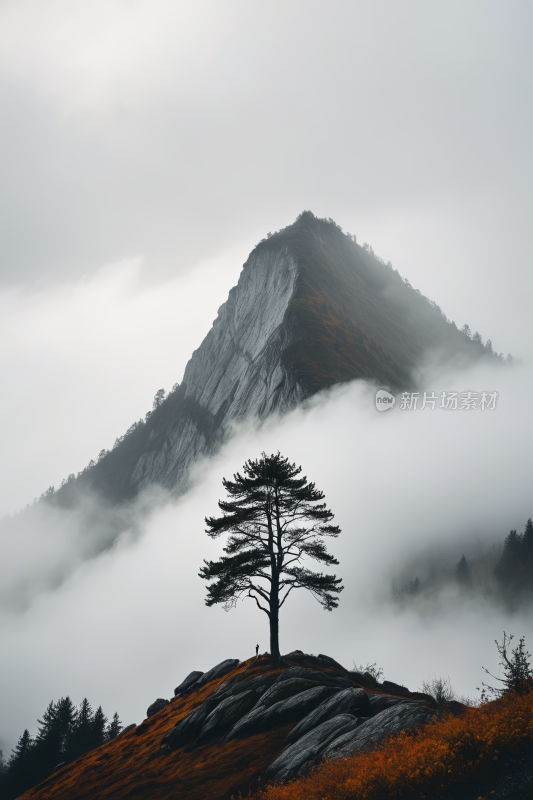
(256, 650)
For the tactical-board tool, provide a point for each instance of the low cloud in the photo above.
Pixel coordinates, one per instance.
(126, 626)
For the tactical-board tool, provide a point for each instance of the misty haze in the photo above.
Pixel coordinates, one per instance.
(185, 288)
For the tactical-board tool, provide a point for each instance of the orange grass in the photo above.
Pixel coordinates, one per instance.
(133, 766)
(441, 755)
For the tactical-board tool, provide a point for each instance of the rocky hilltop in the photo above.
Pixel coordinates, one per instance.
(240, 724)
(307, 729)
(311, 309)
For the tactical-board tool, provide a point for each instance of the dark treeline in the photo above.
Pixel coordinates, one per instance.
(503, 572)
(65, 732)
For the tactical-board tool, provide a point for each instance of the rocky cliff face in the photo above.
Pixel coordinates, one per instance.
(235, 373)
(311, 309)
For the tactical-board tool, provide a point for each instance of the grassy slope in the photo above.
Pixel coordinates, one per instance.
(132, 766)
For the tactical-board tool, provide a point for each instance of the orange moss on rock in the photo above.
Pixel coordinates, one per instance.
(440, 757)
(133, 766)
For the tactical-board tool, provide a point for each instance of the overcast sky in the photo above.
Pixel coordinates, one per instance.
(147, 145)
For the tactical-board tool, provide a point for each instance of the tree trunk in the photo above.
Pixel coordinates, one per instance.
(274, 622)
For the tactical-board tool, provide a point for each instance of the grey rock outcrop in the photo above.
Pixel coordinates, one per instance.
(218, 671)
(240, 683)
(397, 688)
(308, 748)
(349, 701)
(394, 719)
(189, 727)
(156, 706)
(283, 689)
(227, 712)
(379, 702)
(191, 679)
(263, 718)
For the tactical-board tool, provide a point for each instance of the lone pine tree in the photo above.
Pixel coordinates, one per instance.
(275, 520)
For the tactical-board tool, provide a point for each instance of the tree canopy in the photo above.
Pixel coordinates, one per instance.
(275, 522)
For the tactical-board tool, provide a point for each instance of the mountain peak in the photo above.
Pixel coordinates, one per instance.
(312, 308)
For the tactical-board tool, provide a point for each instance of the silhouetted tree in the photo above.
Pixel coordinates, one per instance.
(466, 330)
(82, 735)
(114, 728)
(527, 539)
(158, 399)
(462, 572)
(64, 734)
(518, 675)
(52, 737)
(98, 728)
(19, 775)
(510, 560)
(275, 521)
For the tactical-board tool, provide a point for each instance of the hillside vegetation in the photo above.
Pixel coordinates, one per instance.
(461, 752)
(457, 757)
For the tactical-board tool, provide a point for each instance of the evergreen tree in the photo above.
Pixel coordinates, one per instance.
(507, 567)
(50, 740)
(274, 525)
(20, 772)
(99, 728)
(114, 728)
(518, 675)
(82, 736)
(462, 572)
(527, 539)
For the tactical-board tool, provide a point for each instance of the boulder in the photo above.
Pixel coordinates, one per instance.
(219, 670)
(282, 689)
(227, 713)
(189, 727)
(390, 686)
(315, 676)
(156, 706)
(127, 729)
(427, 699)
(364, 678)
(349, 701)
(379, 702)
(306, 751)
(248, 724)
(304, 674)
(394, 719)
(239, 683)
(263, 718)
(191, 679)
(331, 662)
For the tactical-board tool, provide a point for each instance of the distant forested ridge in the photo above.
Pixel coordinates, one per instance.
(502, 572)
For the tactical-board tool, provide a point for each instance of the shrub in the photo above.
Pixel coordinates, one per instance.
(440, 689)
(440, 756)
